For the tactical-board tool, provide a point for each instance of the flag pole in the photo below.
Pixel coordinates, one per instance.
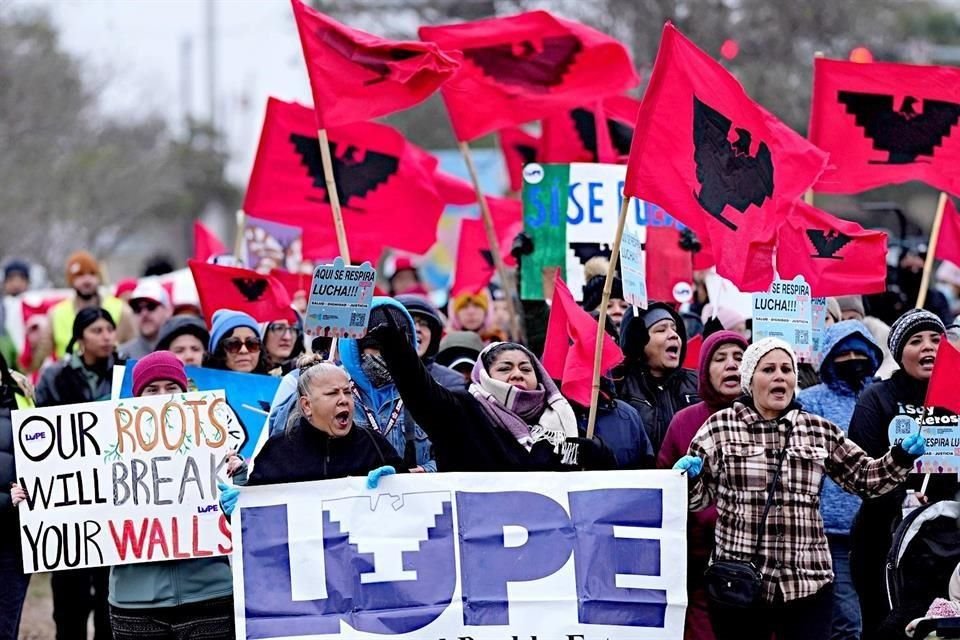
(931, 250)
(333, 195)
(808, 195)
(602, 320)
(238, 241)
(506, 282)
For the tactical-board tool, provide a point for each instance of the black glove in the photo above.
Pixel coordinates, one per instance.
(592, 454)
(387, 331)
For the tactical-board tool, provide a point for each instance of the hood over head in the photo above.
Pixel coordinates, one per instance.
(711, 345)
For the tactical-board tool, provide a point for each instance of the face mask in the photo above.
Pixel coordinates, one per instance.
(853, 372)
(375, 368)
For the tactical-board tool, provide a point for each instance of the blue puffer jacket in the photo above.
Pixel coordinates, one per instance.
(835, 400)
(382, 401)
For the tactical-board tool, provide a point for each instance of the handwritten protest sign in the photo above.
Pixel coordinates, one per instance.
(940, 430)
(248, 399)
(633, 267)
(570, 212)
(340, 297)
(785, 313)
(122, 482)
(464, 555)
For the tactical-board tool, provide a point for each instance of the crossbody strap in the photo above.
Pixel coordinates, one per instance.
(770, 490)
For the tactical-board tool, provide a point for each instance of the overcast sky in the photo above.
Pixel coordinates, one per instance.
(136, 47)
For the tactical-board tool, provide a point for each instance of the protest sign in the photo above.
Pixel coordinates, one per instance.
(340, 297)
(940, 430)
(464, 555)
(269, 245)
(818, 327)
(248, 399)
(570, 212)
(785, 313)
(633, 267)
(122, 482)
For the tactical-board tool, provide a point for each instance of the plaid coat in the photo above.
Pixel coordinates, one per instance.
(740, 448)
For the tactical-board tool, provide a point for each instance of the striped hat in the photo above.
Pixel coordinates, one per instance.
(911, 322)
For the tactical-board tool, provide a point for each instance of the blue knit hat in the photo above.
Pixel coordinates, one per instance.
(225, 321)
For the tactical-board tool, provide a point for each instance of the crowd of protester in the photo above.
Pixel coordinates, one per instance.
(789, 464)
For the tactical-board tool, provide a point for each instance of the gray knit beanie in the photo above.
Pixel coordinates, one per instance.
(911, 322)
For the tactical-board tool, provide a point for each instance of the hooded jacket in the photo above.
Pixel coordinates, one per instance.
(382, 402)
(835, 400)
(619, 427)
(655, 399)
(420, 306)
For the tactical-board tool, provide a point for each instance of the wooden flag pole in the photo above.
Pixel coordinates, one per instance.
(808, 195)
(931, 250)
(602, 320)
(334, 196)
(506, 282)
(238, 242)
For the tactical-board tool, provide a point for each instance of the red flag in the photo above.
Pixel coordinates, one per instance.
(598, 133)
(356, 76)
(942, 390)
(569, 347)
(386, 185)
(948, 241)
(260, 295)
(206, 243)
(692, 359)
(886, 123)
(836, 257)
(669, 268)
(519, 68)
(682, 159)
(475, 267)
(519, 148)
(294, 283)
(453, 190)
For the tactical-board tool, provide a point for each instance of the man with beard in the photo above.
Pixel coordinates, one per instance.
(83, 275)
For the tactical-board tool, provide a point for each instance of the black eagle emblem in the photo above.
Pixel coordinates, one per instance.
(585, 124)
(903, 133)
(727, 173)
(377, 60)
(536, 66)
(250, 288)
(586, 250)
(356, 173)
(526, 152)
(827, 243)
(621, 135)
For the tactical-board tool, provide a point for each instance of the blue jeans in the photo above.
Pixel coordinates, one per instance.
(13, 590)
(846, 606)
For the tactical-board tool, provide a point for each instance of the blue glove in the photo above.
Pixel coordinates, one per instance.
(915, 445)
(373, 478)
(691, 465)
(228, 498)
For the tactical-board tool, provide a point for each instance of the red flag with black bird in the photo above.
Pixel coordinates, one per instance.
(598, 133)
(942, 390)
(569, 346)
(357, 76)
(206, 243)
(522, 67)
(387, 186)
(475, 267)
(260, 295)
(519, 148)
(886, 123)
(716, 160)
(948, 242)
(836, 257)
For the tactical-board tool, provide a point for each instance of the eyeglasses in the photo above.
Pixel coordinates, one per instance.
(281, 329)
(233, 345)
(144, 305)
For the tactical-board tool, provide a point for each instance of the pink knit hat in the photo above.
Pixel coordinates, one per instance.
(159, 365)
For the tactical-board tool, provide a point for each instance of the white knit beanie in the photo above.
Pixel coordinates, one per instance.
(756, 351)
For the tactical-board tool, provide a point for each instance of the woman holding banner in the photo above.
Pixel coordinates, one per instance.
(762, 461)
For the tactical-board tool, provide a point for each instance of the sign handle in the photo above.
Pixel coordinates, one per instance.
(931, 250)
(238, 242)
(602, 321)
(334, 196)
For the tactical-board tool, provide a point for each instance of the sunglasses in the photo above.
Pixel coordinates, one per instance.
(281, 329)
(144, 305)
(233, 345)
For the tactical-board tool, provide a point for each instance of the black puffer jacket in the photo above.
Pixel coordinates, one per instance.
(656, 399)
(420, 307)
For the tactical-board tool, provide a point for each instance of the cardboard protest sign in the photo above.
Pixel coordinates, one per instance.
(633, 267)
(122, 482)
(785, 313)
(464, 555)
(340, 297)
(570, 212)
(248, 398)
(269, 245)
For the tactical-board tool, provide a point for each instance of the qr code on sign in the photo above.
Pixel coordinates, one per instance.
(356, 319)
(801, 336)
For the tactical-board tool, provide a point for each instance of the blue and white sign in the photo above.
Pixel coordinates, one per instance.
(633, 267)
(785, 313)
(464, 555)
(340, 297)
